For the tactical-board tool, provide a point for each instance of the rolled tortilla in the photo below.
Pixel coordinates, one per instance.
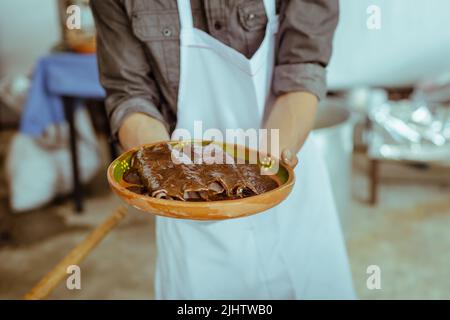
(165, 179)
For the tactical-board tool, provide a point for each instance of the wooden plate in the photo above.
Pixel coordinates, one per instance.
(207, 210)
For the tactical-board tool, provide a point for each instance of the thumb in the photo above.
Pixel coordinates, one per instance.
(288, 158)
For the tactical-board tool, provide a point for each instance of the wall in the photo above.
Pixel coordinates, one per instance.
(413, 42)
(28, 28)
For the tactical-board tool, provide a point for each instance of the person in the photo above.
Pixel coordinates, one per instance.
(231, 64)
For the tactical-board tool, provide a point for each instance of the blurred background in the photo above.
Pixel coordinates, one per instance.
(384, 131)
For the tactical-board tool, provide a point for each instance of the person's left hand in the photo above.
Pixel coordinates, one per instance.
(289, 158)
(293, 115)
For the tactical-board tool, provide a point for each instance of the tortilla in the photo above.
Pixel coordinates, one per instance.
(164, 178)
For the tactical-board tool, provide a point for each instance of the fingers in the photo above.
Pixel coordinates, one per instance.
(288, 158)
(138, 129)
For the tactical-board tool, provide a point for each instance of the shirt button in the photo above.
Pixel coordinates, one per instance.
(167, 32)
(218, 25)
(251, 16)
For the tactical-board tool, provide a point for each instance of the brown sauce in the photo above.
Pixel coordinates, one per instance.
(154, 173)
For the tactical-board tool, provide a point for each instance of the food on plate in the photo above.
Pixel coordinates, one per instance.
(163, 172)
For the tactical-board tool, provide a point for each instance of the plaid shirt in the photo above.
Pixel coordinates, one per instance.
(139, 51)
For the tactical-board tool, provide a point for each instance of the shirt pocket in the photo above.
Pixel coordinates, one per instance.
(160, 33)
(252, 15)
(151, 26)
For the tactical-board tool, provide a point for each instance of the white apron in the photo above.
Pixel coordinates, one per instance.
(293, 251)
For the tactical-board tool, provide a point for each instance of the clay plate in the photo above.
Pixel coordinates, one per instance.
(208, 210)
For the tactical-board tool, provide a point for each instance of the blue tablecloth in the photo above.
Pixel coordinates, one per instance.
(57, 75)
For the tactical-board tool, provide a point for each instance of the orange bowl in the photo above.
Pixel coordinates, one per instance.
(207, 210)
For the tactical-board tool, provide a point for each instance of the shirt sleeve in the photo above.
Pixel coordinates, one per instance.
(304, 45)
(124, 69)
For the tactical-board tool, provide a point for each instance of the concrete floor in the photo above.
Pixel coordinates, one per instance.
(406, 235)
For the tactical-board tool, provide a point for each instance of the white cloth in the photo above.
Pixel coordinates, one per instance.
(292, 251)
(39, 169)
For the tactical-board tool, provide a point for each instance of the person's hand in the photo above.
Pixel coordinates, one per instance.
(293, 114)
(138, 129)
(289, 158)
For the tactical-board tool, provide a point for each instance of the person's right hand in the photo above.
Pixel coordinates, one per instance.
(138, 129)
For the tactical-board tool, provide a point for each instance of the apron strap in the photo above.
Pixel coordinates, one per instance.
(271, 10)
(185, 13)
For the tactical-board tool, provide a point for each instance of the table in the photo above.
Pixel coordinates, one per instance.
(60, 81)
